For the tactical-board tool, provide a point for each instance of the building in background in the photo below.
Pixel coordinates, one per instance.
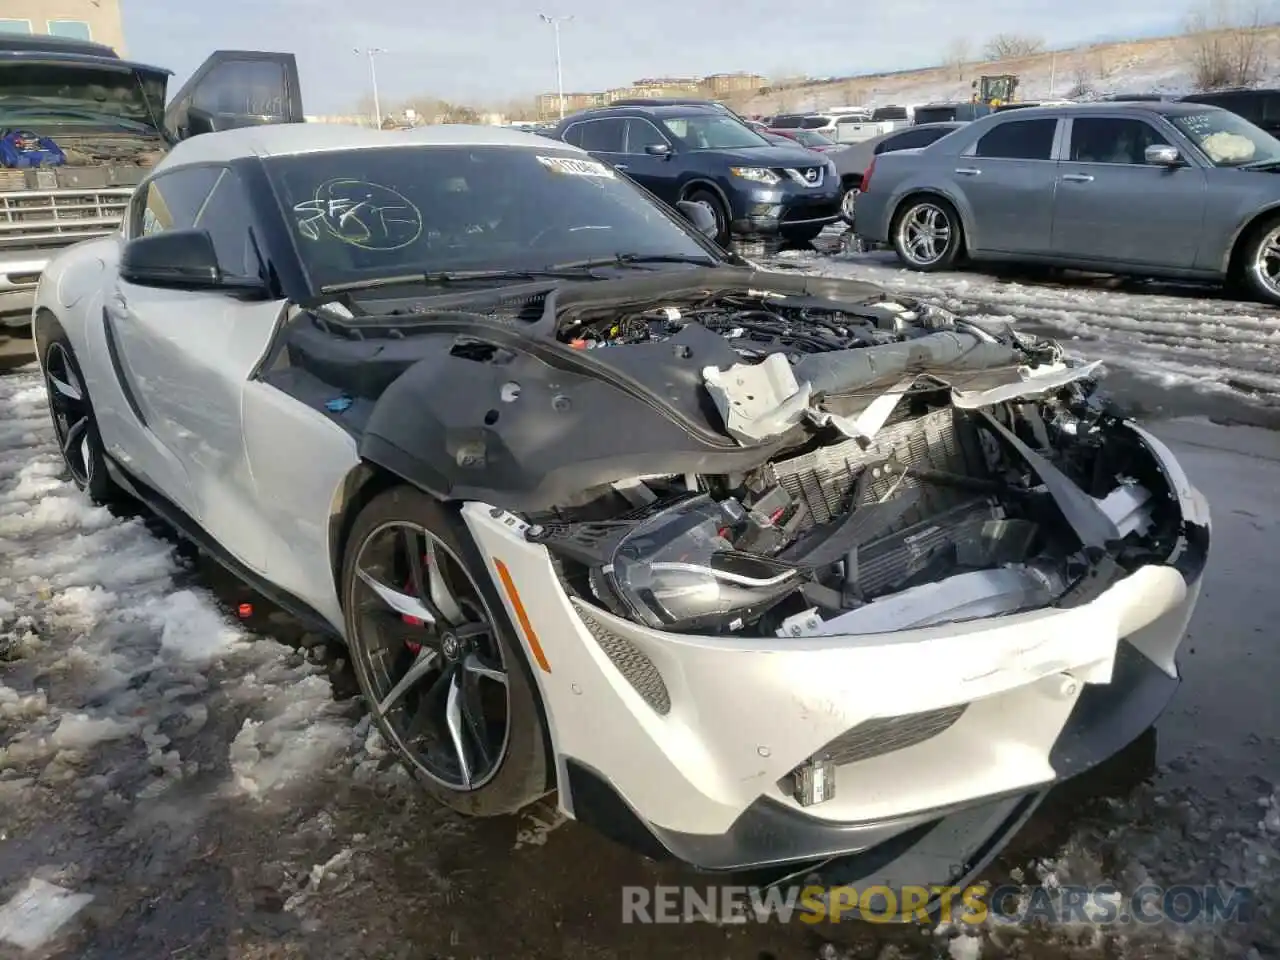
(717, 86)
(96, 20)
(728, 84)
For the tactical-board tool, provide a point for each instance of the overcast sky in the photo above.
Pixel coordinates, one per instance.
(496, 50)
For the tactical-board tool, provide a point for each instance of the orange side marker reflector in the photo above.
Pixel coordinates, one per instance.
(507, 584)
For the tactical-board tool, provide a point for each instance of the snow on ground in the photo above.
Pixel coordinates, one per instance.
(146, 647)
(112, 664)
(1187, 340)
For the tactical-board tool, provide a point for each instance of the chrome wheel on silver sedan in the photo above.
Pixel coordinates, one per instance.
(926, 234)
(437, 659)
(848, 201)
(1262, 267)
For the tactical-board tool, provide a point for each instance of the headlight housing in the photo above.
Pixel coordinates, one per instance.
(757, 175)
(677, 570)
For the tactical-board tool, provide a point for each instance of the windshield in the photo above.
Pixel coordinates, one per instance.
(890, 113)
(713, 131)
(1228, 140)
(359, 215)
(32, 94)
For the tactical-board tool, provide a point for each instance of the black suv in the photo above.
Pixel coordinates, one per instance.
(1259, 107)
(683, 152)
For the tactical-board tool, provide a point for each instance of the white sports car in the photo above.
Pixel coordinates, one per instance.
(756, 570)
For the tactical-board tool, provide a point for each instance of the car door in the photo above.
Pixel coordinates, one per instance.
(654, 173)
(189, 354)
(139, 434)
(1112, 205)
(1007, 179)
(236, 88)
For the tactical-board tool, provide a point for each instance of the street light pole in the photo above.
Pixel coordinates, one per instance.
(555, 26)
(373, 76)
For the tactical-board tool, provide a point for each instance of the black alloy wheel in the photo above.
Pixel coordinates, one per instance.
(434, 656)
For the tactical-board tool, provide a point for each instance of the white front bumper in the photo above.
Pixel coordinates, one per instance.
(744, 712)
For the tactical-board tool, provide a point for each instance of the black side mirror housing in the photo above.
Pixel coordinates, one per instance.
(700, 215)
(181, 260)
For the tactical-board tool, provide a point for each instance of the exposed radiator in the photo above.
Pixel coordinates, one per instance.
(825, 481)
(942, 440)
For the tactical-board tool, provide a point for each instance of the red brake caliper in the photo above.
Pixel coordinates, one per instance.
(413, 645)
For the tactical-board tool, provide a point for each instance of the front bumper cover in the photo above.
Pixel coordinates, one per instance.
(691, 770)
(938, 848)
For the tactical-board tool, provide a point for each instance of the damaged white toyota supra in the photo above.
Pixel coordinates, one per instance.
(758, 571)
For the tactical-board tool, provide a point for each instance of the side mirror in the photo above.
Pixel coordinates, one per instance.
(700, 215)
(181, 260)
(1162, 155)
(658, 150)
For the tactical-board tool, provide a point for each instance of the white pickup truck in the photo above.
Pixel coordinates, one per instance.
(860, 128)
(107, 116)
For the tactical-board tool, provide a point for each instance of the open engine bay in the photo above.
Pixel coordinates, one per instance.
(834, 460)
(931, 472)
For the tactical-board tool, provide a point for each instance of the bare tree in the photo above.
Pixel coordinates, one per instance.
(1225, 46)
(1012, 46)
(1083, 76)
(957, 56)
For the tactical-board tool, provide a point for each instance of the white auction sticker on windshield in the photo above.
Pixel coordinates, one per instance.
(576, 167)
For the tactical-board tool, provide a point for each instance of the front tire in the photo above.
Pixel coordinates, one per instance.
(927, 234)
(712, 202)
(1260, 261)
(84, 457)
(437, 658)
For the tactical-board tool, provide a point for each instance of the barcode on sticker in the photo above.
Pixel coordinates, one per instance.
(576, 167)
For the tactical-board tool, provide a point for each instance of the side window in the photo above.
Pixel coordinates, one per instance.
(227, 217)
(253, 87)
(1112, 140)
(814, 123)
(642, 134)
(786, 123)
(172, 200)
(912, 139)
(1019, 140)
(574, 134)
(604, 136)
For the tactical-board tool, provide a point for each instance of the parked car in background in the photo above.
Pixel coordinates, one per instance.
(810, 139)
(857, 128)
(755, 189)
(1259, 107)
(946, 112)
(823, 123)
(852, 161)
(1159, 189)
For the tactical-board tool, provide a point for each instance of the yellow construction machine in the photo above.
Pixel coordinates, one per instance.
(995, 91)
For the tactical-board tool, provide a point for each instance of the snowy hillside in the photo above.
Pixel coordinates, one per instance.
(1147, 66)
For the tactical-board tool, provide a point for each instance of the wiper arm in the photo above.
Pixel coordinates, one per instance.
(445, 277)
(628, 259)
